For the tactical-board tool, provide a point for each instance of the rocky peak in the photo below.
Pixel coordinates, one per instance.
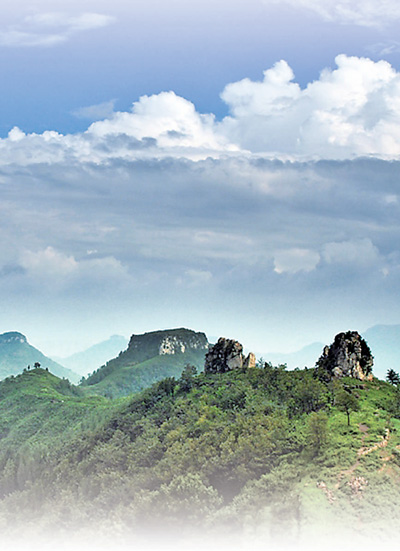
(226, 355)
(348, 356)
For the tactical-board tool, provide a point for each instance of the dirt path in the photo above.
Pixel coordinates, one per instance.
(357, 483)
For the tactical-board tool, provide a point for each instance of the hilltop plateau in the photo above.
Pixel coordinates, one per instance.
(148, 358)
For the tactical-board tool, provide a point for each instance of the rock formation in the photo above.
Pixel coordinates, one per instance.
(250, 361)
(348, 356)
(226, 355)
(164, 343)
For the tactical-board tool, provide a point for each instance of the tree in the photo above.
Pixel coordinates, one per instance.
(186, 381)
(317, 430)
(346, 402)
(393, 377)
(36, 365)
(308, 395)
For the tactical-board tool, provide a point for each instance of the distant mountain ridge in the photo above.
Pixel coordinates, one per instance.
(88, 360)
(305, 357)
(149, 357)
(16, 354)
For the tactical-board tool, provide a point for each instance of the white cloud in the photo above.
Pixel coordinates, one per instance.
(295, 260)
(49, 29)
(170, 120)
(49, 262)
(366, 13)
(351, 111)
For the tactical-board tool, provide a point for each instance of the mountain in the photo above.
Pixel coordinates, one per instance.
(149, 357)
(305, 357)
(384, 342)
(16, 354)
(88, 360)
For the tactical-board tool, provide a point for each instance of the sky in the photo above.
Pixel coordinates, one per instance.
(230, 167)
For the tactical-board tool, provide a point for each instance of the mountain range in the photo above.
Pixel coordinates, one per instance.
(119, 368)
(90, 359)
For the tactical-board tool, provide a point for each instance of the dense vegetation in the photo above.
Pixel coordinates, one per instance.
(265, 449)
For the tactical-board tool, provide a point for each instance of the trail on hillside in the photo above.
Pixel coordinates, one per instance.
(356, 483)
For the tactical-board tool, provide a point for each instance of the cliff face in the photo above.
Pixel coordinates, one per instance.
(160, 343)
(348, 356)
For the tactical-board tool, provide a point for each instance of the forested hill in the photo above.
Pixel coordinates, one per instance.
(260, 450)
(149, 357)
(16, 354)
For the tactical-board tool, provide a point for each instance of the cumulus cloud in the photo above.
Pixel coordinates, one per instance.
(49, 29)
(350, 111)
(366, 13)
(170, 120)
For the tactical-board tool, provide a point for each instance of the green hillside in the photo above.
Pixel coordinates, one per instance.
(262, 451)
(149, 358)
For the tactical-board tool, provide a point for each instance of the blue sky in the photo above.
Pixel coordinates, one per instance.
(228, 167)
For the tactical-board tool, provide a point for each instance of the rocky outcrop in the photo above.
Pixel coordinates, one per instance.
(227, 355)
(348, 356)
(250, 361)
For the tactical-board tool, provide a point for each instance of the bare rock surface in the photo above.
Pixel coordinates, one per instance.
(226, 355)
(348, 356)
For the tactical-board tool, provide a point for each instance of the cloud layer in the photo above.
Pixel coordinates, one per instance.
(236, 246)
(278, 216)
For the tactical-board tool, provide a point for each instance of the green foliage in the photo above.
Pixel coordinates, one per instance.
(393, 377)
(346, 401)
(232, 449)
